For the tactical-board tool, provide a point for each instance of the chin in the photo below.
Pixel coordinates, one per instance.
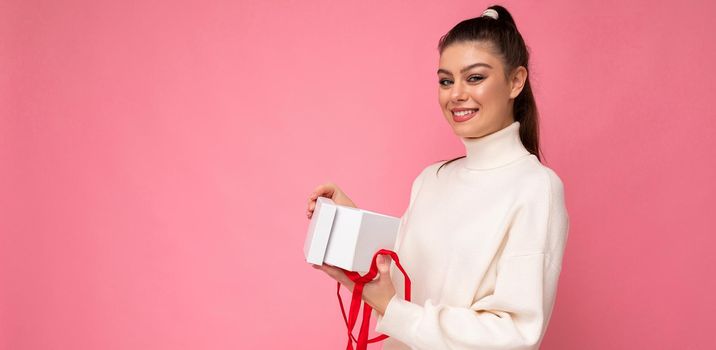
(465, 130)
(462, 132)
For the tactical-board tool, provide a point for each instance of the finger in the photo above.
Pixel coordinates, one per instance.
(311, 207)
(338, 275)
(383, 263)
(334, 271)
(313, 197)
(325, 189)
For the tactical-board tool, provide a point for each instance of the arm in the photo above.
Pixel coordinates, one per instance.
(516, 314)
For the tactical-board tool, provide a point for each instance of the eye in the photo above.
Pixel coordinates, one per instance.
(475, 78)
(444, 82)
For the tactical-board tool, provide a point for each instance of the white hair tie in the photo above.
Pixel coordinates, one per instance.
(490, 13)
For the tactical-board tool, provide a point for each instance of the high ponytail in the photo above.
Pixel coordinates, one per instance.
(507, 41)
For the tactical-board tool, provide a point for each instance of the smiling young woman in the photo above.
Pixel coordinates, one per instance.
(483, 242)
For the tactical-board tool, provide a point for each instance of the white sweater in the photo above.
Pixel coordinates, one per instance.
(483, 244)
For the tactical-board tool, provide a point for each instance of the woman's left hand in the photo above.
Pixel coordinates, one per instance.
(377, 293)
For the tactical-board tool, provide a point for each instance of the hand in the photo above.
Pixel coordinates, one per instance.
(329, 190)
(376, 293)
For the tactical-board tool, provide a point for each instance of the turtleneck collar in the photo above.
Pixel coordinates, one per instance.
(494, 150)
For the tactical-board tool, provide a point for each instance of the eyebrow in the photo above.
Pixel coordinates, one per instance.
(479, 64)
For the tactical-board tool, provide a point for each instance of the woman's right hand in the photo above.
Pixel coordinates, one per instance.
(329, 190)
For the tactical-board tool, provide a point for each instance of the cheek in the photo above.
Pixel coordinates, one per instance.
(480, 93)
(443, 97)
(486, 94)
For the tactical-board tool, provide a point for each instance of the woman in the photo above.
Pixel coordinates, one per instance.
(483, 236)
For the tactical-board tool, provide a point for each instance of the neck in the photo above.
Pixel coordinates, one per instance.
(494, 150)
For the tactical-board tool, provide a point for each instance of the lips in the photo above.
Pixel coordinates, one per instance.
(463, 114)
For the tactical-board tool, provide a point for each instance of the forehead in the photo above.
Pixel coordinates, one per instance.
(461, 54)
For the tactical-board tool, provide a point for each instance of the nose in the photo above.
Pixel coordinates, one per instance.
(458, 92)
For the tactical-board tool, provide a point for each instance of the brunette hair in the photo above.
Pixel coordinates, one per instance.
(507, 42)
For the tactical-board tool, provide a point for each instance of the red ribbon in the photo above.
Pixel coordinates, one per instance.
(357, 298)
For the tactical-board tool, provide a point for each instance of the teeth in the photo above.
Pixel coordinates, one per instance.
(462, 113)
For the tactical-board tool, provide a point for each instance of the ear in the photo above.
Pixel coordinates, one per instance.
(517, 81)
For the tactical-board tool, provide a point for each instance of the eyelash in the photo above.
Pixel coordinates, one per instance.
(468, 78)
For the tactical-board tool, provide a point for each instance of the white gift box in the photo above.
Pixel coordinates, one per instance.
(347, 237)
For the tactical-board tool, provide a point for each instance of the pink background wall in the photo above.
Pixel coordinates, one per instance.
(156, 156)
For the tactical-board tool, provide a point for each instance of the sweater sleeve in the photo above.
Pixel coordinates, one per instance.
(515, 314)
(414, 189)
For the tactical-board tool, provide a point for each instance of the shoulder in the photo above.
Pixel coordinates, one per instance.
(430, 171)
(419, 179)
(539, 179)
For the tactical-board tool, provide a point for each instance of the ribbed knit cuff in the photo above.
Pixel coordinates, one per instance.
(400, 320)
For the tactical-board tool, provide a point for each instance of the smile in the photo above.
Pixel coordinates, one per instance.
(463, 115)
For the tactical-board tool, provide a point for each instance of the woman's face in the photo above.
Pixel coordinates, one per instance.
(474, 94)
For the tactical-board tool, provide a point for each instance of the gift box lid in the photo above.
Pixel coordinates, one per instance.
(319, 230)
